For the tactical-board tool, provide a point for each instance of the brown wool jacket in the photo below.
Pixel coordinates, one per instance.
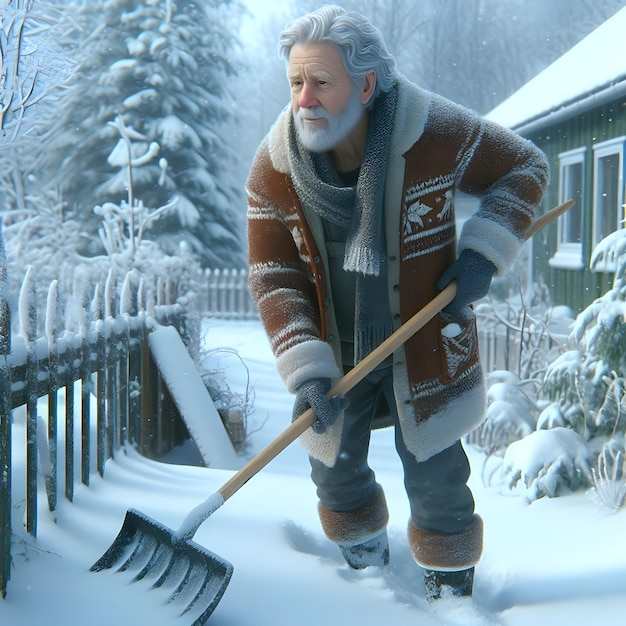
(437, 147)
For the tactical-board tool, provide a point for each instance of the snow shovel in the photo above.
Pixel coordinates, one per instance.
(191, 577)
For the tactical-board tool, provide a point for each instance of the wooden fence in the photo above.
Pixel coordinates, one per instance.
(93, 353)
(517, 343)
(102, 359)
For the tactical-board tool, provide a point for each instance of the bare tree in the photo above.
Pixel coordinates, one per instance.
(27, 77)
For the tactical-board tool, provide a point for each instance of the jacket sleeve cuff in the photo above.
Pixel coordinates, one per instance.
(493, 241)
(307, 360)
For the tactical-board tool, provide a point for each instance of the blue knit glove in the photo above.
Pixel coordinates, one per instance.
(312, 394)
(473, 274)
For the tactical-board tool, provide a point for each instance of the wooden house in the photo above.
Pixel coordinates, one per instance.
(575, 111)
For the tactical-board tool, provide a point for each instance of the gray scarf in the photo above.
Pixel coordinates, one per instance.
(359, 209)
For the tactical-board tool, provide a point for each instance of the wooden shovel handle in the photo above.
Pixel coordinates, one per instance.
(362, 369)
(548, 217)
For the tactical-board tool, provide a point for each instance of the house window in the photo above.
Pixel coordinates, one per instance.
(569, 252)
(608, 190)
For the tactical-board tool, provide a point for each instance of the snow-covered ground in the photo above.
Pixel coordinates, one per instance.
(559, 561)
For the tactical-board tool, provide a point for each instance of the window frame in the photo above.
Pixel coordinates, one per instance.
(569, 254)
(601, 150)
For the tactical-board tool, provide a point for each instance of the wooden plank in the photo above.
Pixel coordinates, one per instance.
(192, 398)
(5, 450)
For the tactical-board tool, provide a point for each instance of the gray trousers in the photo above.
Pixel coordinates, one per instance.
(437, 489)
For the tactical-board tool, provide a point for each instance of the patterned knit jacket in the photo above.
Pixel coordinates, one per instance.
(437, 147)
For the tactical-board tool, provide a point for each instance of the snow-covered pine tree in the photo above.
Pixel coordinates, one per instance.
(164, 66)
(589, 382)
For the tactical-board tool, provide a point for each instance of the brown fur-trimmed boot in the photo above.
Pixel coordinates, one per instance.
(360, 534)
(447, 560)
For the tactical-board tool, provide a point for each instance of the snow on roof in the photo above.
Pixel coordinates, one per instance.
(592, 72)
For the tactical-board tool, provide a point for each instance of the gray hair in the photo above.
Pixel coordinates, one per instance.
(360, 43)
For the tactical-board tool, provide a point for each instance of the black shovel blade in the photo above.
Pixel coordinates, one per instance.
(188, 575)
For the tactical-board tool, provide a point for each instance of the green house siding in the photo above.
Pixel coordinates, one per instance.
(575, 288)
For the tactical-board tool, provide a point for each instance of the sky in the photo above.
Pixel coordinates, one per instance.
(545, 562)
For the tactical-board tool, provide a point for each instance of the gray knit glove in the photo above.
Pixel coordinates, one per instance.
(312, 394)
(473, 274)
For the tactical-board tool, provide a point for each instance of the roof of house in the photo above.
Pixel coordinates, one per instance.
(591, 73)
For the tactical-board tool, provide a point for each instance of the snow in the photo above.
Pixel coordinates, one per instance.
(198, 515)
(596, 63)
(555, 561)
(186, 387)
(544, 457)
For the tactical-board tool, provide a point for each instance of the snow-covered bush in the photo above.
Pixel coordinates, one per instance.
(532, 336)
(609, 479)
(41, 232)
(124, 231)
(547, 461)
(589, 382)
(123, 225)
(511, 413)
(561, 383)
(586, 387)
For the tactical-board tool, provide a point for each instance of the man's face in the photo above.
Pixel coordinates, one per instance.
(326, 107)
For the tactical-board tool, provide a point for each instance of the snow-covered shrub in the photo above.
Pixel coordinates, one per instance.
(531, 335)
(576, 419)
(510, 415)
(609, 481)
(547, 461)
(589, 382)
(561, 383)
(43, 235)
(586, 387)
(123, 225)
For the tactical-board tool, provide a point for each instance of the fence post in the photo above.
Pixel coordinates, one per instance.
(69, 431)
(111, 366)
(129, 302)
(148, 439)
(85, 388)
(28, 324)
(5, 426)
(101, 381)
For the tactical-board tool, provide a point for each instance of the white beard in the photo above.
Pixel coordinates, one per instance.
(337, 128)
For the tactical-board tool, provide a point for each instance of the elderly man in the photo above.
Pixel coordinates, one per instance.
(351, 229)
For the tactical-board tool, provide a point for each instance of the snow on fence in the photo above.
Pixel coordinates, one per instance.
(95, 373)
(228, 295)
